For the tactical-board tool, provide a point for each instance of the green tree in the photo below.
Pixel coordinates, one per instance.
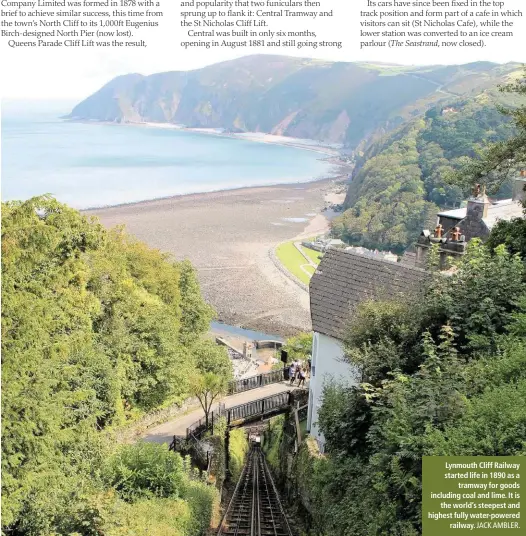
(210, 357)
(444, 375)
(196, 315)
(502, 160)
(91, 336)
(299, 347)
(208, 387)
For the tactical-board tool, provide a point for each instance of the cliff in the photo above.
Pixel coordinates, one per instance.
(334, 102)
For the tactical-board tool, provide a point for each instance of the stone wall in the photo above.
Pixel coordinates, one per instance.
(133, 432)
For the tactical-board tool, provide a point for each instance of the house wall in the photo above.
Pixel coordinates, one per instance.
(327, 365)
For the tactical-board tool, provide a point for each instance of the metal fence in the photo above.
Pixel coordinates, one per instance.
(253, 382)
(260, 407)
(200, 427)
(198, 450)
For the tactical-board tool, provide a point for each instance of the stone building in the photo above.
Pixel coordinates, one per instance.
(455, 228)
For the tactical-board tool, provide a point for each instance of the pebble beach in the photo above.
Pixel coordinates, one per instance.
(228, 236)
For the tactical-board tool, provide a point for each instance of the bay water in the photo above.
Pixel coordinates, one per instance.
(94, 165)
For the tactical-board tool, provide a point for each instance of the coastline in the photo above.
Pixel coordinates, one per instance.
(227, 235)
(339, 171)
(195, 195)
(257, 137)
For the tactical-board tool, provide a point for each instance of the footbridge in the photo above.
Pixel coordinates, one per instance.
(239, 415)
(255, 382)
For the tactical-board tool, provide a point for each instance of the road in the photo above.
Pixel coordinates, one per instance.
(438, 86)
(164, 432)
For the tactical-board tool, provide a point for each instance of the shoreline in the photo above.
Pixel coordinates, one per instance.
(195, 195)
(341, 171)
(227, 235)
(257, 137)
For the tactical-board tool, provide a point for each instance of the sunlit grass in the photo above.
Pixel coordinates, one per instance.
(314, 256)
(292, 260)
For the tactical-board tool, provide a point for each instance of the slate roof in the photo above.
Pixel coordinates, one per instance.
(409, 256)
(344, 279)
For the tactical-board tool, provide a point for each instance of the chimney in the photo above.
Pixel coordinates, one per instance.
(519, 185)
(478, 204)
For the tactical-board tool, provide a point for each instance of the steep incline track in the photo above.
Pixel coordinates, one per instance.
(255, 508)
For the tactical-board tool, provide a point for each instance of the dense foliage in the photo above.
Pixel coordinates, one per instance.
(497, 164)
(157, 492)
(503, 159)
(298, 347)
(441, 374)
(401, 181)
(237, 451)
(96, 329)
(446, 375)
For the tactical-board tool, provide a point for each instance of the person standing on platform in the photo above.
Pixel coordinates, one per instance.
(301, 377)
(292, 372)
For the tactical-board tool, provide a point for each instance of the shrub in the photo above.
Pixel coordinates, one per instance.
(238, 448)
(144, 470)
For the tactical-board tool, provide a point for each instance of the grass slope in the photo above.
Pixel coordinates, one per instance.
(293, 260)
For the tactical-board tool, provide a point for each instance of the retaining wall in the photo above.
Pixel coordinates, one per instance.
(284, 271)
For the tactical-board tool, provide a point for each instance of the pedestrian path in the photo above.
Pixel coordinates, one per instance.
(164, 432)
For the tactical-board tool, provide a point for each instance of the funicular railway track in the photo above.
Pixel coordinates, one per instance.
(255, 508)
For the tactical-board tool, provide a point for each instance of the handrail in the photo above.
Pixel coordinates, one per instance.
(253, 382)
(259, 407)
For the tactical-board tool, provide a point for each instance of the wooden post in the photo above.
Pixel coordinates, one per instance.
(227, 453)
(297, 422)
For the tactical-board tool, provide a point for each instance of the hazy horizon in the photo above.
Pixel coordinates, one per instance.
(85, 93)
(75, 72)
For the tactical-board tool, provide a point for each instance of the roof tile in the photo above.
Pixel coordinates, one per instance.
(344, 279)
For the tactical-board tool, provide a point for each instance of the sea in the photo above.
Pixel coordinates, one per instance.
(93, 165)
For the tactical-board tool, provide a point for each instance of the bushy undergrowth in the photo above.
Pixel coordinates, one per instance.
(272, 441)
(238, 449)
(149, 474)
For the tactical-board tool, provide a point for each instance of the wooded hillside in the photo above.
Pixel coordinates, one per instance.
(96, 329)
(401, 181)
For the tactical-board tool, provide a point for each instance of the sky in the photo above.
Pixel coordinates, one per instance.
(75, 73)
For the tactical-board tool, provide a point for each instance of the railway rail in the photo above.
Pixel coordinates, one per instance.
(255, 508)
